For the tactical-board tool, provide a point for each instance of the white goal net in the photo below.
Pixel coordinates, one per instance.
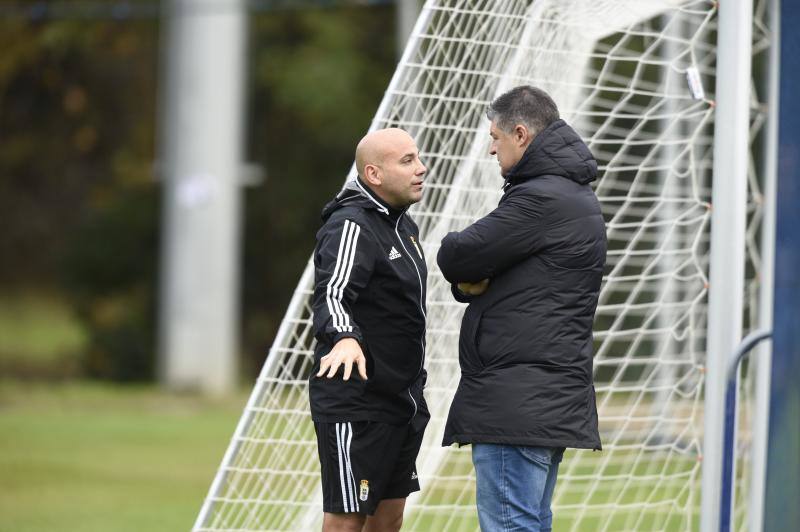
(636, 80)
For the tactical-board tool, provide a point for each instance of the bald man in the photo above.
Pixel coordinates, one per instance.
(366, 386)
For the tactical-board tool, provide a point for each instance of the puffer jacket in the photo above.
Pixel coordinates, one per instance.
(525, 347)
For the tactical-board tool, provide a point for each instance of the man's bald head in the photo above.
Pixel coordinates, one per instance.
(388, 162)
(376, 145)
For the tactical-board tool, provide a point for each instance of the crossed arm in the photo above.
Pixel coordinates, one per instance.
(502, 238)
(473, 289)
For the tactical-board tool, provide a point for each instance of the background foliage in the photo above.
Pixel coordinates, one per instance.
(80, 203)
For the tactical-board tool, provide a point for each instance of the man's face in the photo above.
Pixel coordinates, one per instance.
(402, 173)
(507, 147)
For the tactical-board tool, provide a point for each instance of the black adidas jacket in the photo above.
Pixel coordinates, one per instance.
(525, 347)
(369, 284)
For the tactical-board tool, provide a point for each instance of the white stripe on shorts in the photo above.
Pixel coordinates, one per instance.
(345, 499)
(350, 468)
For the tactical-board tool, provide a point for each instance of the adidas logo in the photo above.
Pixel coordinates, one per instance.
(394, 254)
(413, 475)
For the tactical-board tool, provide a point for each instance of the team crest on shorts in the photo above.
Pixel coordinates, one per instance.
(364, 491)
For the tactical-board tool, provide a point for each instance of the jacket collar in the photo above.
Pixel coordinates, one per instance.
(379, 204)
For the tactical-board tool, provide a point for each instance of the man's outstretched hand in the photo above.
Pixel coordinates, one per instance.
(344, 353)
(474, 289)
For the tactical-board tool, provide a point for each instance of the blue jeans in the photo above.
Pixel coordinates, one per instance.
(515, 485)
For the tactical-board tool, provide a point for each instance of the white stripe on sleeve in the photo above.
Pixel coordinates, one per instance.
(341, 276)
(350, 261)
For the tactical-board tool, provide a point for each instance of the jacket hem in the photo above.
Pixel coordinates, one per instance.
(367, 416)
(466, 439)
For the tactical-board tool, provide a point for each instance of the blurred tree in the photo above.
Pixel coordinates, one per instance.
(78, 201)
(72, 96)
(76, 191)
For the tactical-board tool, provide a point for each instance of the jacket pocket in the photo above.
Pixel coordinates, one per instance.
(468, 357)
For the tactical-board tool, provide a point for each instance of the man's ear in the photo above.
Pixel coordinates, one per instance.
(371, 175)
(522, 135)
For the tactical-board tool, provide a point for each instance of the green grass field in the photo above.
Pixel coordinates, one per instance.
(90, 457)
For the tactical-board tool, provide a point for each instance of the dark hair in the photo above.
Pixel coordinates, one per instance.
(526, 105)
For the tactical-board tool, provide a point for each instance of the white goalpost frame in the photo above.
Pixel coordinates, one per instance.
(295, 304)
(236, 499)
(763, 357)
(728, 221)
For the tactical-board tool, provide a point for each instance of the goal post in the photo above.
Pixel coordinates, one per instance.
(728, 226)
(636, 78)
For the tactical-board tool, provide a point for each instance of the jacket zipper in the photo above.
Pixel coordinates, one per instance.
(424, 315)
(413, 241)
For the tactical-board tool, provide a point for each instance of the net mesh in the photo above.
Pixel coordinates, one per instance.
(618, 71)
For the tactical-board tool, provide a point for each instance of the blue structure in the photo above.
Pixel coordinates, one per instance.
(782, 501)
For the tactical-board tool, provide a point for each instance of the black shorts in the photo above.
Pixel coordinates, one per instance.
(364, 462)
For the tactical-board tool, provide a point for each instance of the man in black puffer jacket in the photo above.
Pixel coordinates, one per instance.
(531, 272)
